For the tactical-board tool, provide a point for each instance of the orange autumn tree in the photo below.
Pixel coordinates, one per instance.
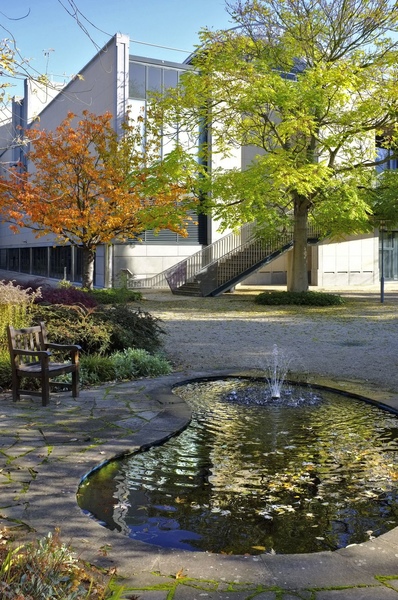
(90, 186)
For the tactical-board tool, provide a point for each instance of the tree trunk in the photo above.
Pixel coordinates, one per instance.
(297, 280)
(88, 267)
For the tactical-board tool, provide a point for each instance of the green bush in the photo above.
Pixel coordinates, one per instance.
(117, 343)
(298, 298)
(101, 331)
(5, 369)
(136, 362)
(131, 328)
(75, 325)
(114, 295)
(95, 369)
(128, 364)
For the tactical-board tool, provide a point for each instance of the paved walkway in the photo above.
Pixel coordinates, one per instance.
(45, 452)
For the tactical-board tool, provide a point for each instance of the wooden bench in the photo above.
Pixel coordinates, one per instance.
(31, 357)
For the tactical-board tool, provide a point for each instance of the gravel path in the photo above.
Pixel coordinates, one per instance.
(358, 341)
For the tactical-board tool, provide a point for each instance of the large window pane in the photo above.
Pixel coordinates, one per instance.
(154, 79)
(137, 81)
(39, 261)
(60, 262)
(25, 260)
(79, 264)
(3, 258)
(170, 78)
(13, 259)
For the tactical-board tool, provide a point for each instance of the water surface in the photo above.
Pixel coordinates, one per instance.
(244, 479)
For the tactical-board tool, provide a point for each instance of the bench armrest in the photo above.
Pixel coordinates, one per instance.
(39, 353)
(64, 347)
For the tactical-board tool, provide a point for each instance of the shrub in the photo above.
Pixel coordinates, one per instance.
(5, 369)
(101, 331)
(136, 362)
(128, 364)
(95, 369)
(49, 569)
(114, 295)
(132, 328)
(67, 295)
(15, 304)
(75, 325)
(299, 298)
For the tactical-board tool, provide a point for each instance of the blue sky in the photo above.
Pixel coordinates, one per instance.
(55, 44)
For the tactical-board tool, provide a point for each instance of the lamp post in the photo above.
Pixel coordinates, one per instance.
(382, 262)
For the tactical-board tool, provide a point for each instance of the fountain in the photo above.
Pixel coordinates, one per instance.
(276, 372)
(263, 467)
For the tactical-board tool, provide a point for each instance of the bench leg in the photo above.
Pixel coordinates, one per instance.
(45, 389)
(16, 384)
(75, 383)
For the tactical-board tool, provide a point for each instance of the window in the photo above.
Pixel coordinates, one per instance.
(25, 260)
(60, 262)
(13, 259)
(154, 79)
(137, 83)
(144, 78)
(39, 261)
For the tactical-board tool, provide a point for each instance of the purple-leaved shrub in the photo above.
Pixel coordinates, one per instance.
(68, 296)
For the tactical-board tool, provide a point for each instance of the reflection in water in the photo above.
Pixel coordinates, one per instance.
(248, 479)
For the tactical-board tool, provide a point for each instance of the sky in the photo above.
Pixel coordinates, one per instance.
(55, 44)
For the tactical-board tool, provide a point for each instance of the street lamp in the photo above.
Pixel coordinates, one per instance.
(381, 229)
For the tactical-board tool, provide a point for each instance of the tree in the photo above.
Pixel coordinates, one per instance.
(309, 85)
(91, 187)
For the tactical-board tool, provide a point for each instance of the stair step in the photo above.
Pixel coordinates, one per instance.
(188, 289)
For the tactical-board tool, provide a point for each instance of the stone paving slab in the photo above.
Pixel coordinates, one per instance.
(358, 594)
(321, 569)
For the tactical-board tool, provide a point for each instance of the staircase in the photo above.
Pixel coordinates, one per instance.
(220, 266)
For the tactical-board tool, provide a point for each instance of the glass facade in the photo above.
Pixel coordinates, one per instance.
(54, 262)
(147, 76)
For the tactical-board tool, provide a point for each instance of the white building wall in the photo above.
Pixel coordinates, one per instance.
(101, 86)
(353, 261)
(233, 161)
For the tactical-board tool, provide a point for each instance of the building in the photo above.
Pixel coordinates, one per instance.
(115, 81)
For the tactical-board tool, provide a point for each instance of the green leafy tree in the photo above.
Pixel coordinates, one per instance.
(306, 86)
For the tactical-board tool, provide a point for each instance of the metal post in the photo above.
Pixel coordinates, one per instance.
(382, 264)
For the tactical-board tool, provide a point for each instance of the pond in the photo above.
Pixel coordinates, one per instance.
(286, 476)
